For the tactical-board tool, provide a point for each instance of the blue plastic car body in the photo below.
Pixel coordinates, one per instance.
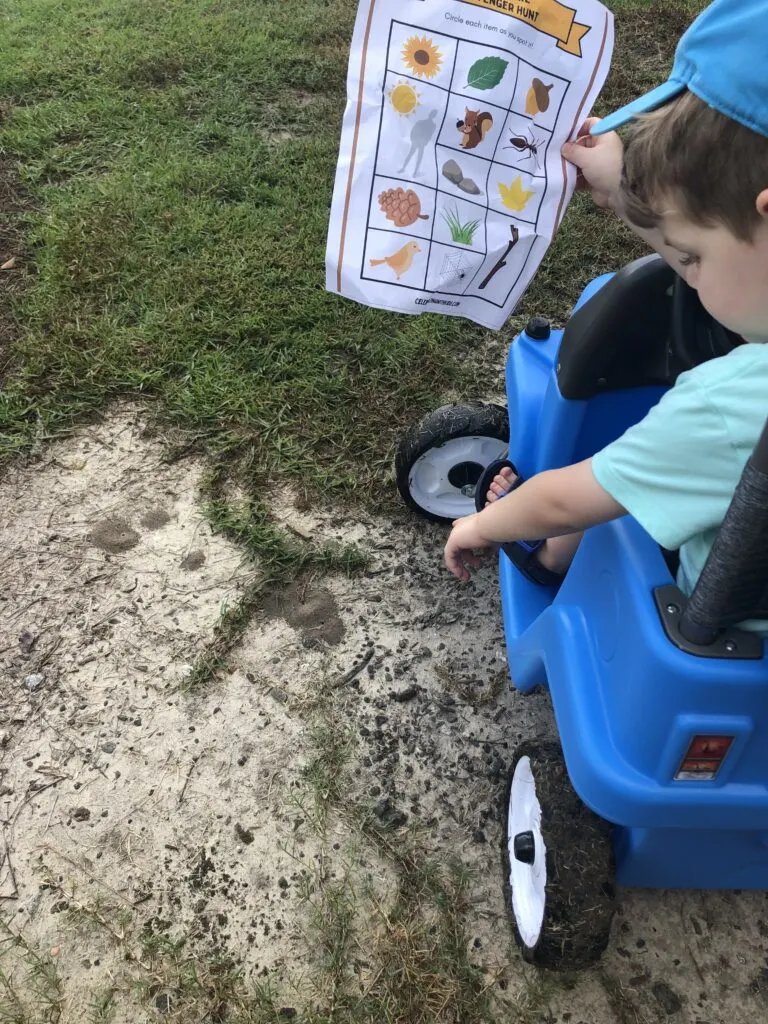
(667, 745)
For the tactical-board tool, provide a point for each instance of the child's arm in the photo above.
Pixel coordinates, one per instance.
(552, 504)
(600, 160)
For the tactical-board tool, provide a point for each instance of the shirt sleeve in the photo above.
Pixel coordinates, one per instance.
(675, 471)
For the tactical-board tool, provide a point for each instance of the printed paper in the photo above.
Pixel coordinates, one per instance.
(450, 184)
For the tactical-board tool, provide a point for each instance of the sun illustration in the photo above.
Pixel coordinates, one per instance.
(404, 98)
(422, 57)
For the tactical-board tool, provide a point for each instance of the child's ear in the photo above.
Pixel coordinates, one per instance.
(762, 204)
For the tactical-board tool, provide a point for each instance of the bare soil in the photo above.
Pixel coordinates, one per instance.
(133, 811)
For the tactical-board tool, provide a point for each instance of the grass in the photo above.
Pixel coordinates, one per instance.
(183, 987)
(413, 941)
(325, 773)
(419, 968)
(180, 159)
(174, 167)
(30, 986)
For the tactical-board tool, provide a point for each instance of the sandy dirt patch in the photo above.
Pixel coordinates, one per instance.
(135, 813)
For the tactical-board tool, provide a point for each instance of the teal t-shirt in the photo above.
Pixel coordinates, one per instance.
(675, 472)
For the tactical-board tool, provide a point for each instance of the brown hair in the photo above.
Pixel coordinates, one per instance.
(688, 152)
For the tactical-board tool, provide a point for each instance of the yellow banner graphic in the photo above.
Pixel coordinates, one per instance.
(548, 16)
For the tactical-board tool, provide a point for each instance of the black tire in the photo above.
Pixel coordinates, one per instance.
(579, 897)
(449, 423)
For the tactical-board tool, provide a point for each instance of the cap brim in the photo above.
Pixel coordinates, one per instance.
(653, 99)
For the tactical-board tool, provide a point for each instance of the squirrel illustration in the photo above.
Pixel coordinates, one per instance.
(474, 127)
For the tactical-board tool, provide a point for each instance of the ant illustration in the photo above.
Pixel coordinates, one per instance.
(529, 146)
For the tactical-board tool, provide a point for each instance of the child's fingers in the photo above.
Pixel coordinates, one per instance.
(453, 563)
(586, 127)
(458, 559)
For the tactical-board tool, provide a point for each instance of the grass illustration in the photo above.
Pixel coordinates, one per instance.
(460, 232)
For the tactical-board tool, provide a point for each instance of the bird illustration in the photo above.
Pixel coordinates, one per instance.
(401, 260)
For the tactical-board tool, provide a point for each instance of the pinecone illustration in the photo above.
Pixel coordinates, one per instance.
(401, 206)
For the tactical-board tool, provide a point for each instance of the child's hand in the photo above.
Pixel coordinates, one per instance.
(600, 159)
(464, 539)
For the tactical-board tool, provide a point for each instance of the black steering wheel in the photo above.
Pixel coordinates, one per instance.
(696, 336)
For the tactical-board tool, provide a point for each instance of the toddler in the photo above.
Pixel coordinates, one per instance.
(692, 181)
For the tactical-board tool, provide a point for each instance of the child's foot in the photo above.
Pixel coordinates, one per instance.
(555, 554)
(501, 484)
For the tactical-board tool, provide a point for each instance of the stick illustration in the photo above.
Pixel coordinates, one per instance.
(503, 261)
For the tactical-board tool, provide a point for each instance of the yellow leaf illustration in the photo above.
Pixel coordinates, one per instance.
(514, 196)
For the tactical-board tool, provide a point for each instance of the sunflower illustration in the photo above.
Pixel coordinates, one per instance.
(422, 57)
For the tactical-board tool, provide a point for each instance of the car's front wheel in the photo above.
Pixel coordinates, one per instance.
(558, 864)
(440, 460)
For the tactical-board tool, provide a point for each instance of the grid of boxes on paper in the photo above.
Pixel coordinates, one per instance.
(460, 168)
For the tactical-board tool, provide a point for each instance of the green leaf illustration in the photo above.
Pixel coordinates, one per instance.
(486, 72)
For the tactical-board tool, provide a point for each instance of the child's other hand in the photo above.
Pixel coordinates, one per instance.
(599, 159)
(465, 538)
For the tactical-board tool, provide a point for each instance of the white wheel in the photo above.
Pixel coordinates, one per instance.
(527, 854)
(441, 459)
(442, 480)
(558, 864)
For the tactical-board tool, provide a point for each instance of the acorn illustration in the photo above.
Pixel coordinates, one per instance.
(401, 206)
(537, 100)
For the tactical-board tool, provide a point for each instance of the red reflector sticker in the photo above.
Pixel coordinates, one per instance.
(703, 759)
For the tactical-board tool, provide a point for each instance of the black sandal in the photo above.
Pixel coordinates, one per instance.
(486, 478)
(523, 554)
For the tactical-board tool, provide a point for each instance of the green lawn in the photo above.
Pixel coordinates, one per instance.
(174, 162)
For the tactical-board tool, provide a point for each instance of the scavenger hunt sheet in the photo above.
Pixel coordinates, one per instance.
(450, 184)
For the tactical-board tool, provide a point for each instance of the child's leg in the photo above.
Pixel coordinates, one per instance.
(557, 552)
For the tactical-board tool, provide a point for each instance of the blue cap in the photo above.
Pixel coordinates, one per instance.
(723, 59)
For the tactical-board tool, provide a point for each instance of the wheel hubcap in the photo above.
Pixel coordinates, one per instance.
(464, 476)
(527, 854)
(525, 847)
(442, 481)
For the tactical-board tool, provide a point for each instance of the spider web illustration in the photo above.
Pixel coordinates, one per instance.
(454, 267)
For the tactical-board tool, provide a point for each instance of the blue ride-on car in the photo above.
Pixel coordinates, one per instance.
(661, 702)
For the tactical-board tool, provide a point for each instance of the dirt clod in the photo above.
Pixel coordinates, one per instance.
(243, 834)
(155, 519)
(163, 1003)
(666, 997)
(194, 560)
(310, 610)
(27, 642)
(114, 536)
(389, 815)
